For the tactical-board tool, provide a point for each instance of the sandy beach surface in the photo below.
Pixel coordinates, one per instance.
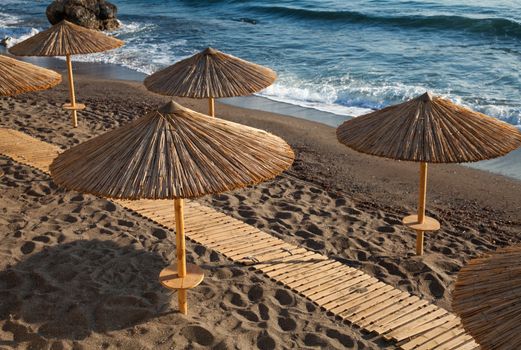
(79, 272)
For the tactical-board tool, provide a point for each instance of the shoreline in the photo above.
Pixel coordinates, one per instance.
(509, 165)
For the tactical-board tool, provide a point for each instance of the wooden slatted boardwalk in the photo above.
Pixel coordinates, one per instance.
(349, 293)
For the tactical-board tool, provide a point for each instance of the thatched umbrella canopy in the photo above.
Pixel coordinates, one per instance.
(211, 74)
(17, 77)
(487, 297)
(173, 153)
(428, 129)
(66, 39)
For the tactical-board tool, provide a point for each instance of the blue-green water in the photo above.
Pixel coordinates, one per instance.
(345, 57)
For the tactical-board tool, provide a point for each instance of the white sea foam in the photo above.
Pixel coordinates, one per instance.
(307, 97)
(138, 53)
(345, 97)
(8, 19)
(21, 37)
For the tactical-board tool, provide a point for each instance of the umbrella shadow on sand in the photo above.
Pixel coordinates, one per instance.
(70, 290)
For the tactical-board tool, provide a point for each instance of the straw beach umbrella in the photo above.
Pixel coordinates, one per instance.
(17, 77)
(173, 153)
(211, 74)
(66, 39)
(428, 129)
(487, 297)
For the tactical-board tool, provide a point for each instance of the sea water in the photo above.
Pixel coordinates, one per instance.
(339, 56)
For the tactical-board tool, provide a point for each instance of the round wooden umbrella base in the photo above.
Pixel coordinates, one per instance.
(428, 224)
(77, 107)
(169, 277)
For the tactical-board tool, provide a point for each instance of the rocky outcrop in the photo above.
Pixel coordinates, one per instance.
(93, 14)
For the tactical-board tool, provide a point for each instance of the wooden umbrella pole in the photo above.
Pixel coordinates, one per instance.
(181, 252)
(211, 107)
(421, 207)
(71, 93)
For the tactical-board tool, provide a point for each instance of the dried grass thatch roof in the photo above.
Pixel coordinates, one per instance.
(17, 77)
(172, 153)
(487, 297)
(65, 38)
(211, 73)
(429, 129)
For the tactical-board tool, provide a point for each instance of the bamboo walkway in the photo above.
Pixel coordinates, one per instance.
(349, 293)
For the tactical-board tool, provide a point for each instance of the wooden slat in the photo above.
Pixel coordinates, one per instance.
(379, 308)
(331, 292)
(350, 288)
(435, 336)
(269, 259)
(350, 293)
(315, 268)
(471, 345)
(353, 301)
(329, 281)
(233, 241)
(245, 247)
(327, 267)
(372, 321)
(290, 259)
(455, 343)
(393, 295)
(407, 318)
(291, 265)
(241, 254)
(420, 325)
(400, 311)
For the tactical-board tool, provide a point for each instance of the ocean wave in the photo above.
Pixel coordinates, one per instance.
(348, 97)
(484, 26)
(19, 35)
(310, 98)
(8, 19)
(353, 98)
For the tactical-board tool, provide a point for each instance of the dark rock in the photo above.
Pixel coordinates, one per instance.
(93, 14)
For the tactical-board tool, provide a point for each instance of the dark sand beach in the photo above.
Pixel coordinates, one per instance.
(78, 272)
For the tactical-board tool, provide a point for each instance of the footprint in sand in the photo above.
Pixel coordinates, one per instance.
(43, 239)
(199, 335)
(386, 229)
(249, 315)
(27, 247)
(265, 342)
(392, 221)
(340, 202)
(237, 300)
(353, 211)
(77, 198)
(344, 339)
(284, 297)
(125, 223)
(303, 234)
(264, 312)
(283, 215)
(312, 339)
(160, 234)
(287, 324)
(435, 285)
(255, 293)
(68, 218)
(314, 244)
